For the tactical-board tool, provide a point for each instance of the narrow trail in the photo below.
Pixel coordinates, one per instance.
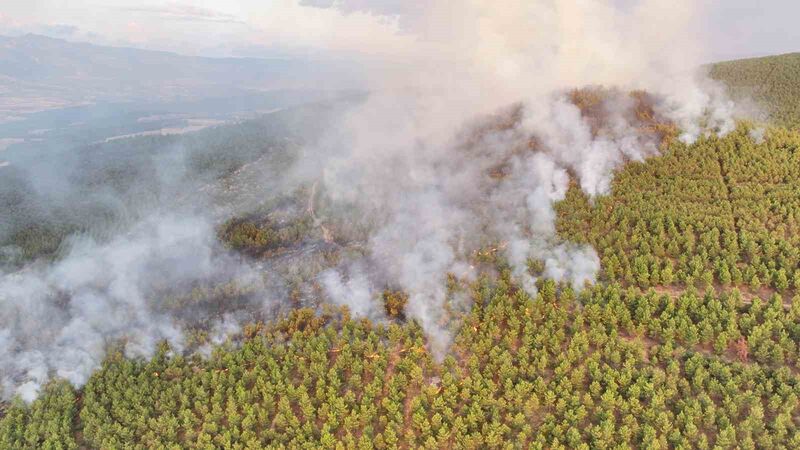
(326, 233)
(746, 293)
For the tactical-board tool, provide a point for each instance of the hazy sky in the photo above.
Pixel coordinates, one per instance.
(733, 28)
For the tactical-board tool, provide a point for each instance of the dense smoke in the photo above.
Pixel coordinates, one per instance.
(60, 319)
(417, 160)
(467, 144)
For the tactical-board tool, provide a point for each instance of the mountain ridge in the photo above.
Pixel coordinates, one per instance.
(40, 73)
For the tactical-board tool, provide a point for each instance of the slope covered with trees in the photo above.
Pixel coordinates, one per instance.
(690, 339)
(91, 189)
(723, 211)
(770, 81)
(608, 368)
(679, 347)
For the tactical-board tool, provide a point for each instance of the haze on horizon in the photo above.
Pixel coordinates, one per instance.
(336, 28)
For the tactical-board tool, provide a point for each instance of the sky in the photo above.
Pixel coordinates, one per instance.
(731, 28)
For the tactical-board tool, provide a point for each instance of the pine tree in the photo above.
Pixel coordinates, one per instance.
(736, 275)
(667, 277)
(708, 277)
(755, 282)
(781, 280)
(724, 274)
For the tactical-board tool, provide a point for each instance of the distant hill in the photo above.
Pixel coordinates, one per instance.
(35, 58)
(773, 82)
(50, 192)
(40, 73)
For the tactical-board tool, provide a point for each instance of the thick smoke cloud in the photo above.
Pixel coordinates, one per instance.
(59, 320)
(466, 144)
(417, 159)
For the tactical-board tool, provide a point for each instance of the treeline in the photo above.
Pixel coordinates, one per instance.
(609, 368)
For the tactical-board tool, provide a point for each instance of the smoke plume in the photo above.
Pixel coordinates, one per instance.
(59, 320)
(476, 136)
(471, 133)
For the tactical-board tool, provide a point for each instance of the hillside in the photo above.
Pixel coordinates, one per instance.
(691, 339)
(55, 190)
(396, 225)
(723, 211)
(611, 368)
(770, 81)
(39, 73)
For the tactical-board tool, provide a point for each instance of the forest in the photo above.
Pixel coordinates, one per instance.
(106, 185)
(689, 339)
(612, 367)
(770, 82)
(682, 346)
(722, 212)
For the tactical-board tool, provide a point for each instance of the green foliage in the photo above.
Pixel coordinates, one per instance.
(48, 423)
(612, 368)
(641, 360)
(105, 185)
(36, 240)
(769, 81)
(723, 210)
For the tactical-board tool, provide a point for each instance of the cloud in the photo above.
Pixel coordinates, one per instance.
(179, 11)
(733, 27)
(379, 7)
(56, 30)
(291, 24)
(11, 27)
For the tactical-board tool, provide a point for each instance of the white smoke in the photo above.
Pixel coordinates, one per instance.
(355, 292)
(757, 135)
(414, 157)
(59, 320)
(417, 158)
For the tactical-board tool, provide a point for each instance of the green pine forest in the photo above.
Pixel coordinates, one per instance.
(690, 338)
(769, 82)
